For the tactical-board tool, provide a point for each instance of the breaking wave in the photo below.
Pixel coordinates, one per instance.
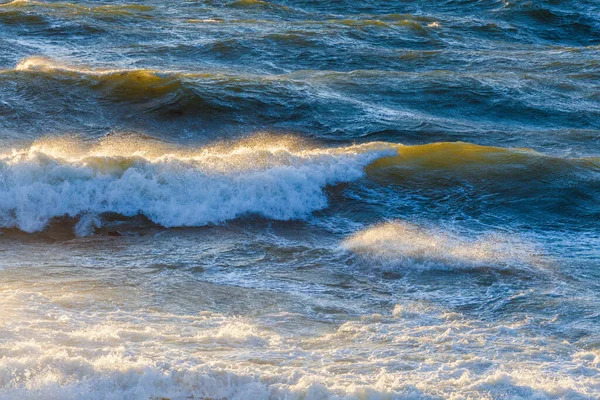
(275, 177)
(271, 177)
(402, 244)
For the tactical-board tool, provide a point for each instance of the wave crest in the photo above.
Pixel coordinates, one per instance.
(401, 244)
(277, 179)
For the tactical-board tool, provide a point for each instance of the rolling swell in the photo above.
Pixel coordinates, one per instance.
(491, 184)
(274, 177)
(322, 103)
(131, 97)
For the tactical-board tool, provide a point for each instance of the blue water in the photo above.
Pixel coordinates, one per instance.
(300, 199)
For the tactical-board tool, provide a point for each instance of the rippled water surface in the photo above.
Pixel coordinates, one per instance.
(300, 199)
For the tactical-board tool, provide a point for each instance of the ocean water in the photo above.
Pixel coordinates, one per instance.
(299, 199)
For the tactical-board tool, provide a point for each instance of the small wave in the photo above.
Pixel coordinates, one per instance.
(117, 10)
(402, 244)
(133, 85)
(258, 5)
(269, 176)
(141, 77)
(154, 88)
(204, 21)
(50, 15)
(359, 22)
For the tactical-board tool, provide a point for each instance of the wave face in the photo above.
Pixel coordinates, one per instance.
(489, 184)
(212, 185)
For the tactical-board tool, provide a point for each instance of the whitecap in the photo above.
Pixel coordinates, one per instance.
(399, 244)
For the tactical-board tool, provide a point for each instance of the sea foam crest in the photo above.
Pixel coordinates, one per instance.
(278, 179)
(399, 244)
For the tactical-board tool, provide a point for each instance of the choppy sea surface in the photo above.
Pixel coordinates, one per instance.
(300, 199)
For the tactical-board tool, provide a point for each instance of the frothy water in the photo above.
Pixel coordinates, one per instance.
(299, 199)
(399, 244)
(416, 350)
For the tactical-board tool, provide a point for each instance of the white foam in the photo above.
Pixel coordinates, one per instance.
(58, 342)
(401, 244)
(172, 187)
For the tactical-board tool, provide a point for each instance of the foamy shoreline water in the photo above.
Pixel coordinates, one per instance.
(81, 346)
